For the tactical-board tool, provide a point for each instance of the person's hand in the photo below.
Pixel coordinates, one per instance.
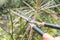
(47, 37)
(57, 38)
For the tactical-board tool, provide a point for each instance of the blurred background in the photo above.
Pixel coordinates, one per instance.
(13, 27)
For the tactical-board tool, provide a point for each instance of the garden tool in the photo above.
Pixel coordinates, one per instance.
(36, 22)
(44, 35)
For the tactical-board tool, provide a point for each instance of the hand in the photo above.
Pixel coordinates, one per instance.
(57, 38)
(47, 37)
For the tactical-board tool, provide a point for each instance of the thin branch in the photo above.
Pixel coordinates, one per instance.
(3, 27)
(52, 6)
(48, 3)
(11, 25)
(30, 35)
(29, 6)
(43, 2)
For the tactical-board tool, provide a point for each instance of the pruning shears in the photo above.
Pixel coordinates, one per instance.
(33, 22)
(36, 22)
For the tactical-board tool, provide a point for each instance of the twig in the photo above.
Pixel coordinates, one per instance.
(50, 7)
(29, 6)
(11, 25)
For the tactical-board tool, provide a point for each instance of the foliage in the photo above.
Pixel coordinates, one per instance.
(13, 27)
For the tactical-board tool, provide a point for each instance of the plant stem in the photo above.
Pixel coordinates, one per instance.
(11, 25)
